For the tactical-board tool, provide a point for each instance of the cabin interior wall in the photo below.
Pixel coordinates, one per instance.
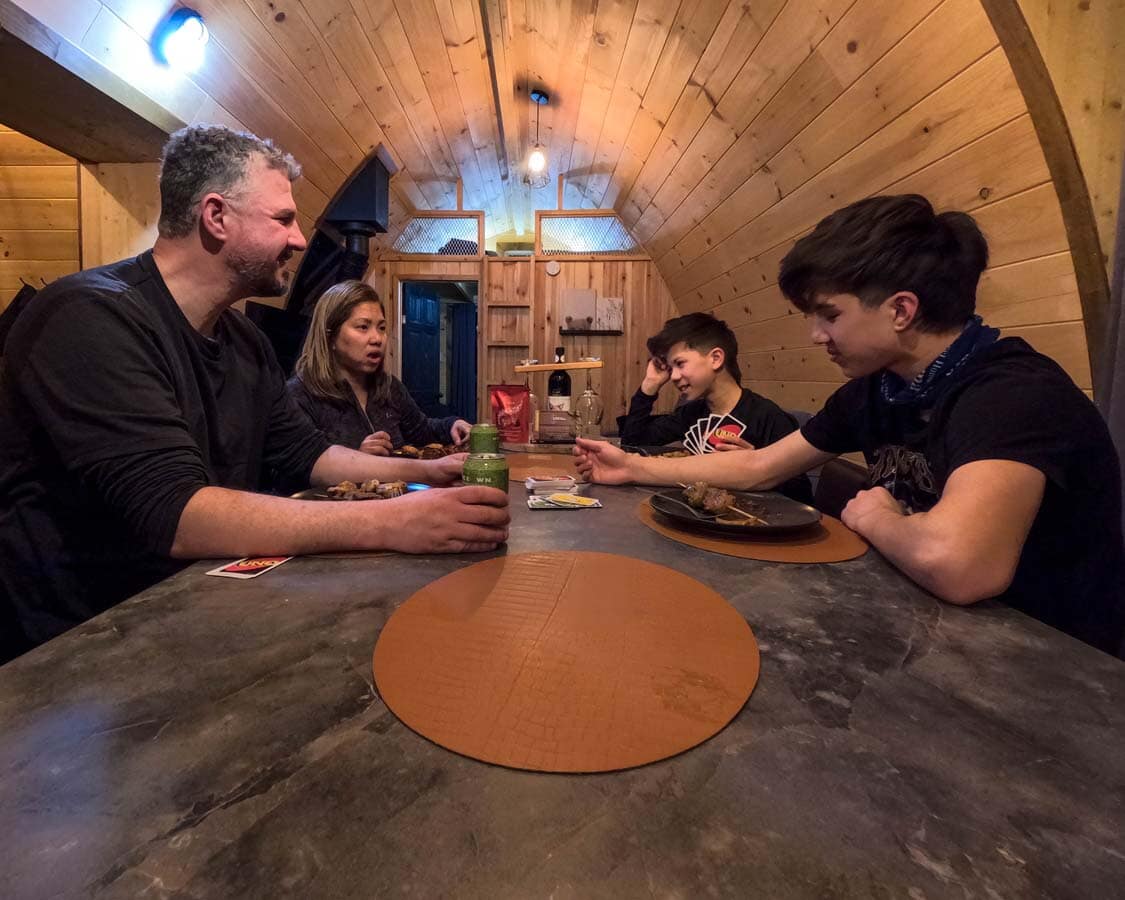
(39, 236)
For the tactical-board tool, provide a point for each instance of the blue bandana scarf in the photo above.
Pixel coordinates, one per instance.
(926, 387)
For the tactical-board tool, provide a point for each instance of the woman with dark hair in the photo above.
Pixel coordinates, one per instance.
(342, 386)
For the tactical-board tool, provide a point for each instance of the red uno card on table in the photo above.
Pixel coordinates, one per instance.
(251, 567)
(728, 428)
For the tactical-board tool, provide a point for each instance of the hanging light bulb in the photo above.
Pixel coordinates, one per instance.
(538, 174)
(180, 40)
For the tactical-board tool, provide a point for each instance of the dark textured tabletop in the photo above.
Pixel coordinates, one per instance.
(223, 738)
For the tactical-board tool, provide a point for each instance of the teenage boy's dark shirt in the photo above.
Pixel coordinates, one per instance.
(1009, 403)
(765, 422)
(114, 411)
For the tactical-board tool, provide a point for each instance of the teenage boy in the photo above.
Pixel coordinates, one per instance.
(698, 354)
(990, 473)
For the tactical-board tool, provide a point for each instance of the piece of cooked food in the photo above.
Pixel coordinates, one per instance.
(407, 450)
(723, 504)
(432, 451)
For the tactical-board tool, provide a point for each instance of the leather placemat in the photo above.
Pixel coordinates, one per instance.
(566, 662)
(831, 541)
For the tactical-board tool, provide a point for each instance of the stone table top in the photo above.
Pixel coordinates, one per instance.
(221, 738)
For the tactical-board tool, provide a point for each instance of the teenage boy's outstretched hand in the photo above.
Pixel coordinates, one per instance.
(656, 376)
(602, 462)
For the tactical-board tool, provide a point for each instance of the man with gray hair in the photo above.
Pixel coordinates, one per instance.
(139, 413)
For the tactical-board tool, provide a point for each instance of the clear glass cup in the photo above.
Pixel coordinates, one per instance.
(588, 411)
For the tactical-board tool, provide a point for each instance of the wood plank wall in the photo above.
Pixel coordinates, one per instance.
(519, 315)
(867, 98)
(38, 213)
(120, 209)
(1083, 46)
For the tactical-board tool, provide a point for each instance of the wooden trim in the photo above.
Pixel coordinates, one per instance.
(1054, 135)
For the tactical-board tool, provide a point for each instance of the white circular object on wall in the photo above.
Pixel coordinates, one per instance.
(553, 267)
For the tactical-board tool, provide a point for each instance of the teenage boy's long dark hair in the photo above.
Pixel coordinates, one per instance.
(702, 332)
(881, 245)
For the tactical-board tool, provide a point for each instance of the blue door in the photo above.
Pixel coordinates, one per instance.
(439, 347)
(421, 347)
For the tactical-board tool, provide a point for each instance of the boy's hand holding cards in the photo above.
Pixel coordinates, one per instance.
(728, 431)
(250, 567)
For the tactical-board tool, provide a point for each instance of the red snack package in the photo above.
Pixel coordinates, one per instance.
(511, 411)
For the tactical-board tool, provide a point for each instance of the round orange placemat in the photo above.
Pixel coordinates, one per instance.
(831, 542)
(566, 662)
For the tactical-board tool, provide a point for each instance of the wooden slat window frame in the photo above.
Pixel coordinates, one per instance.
(478, 214)
(538, 255)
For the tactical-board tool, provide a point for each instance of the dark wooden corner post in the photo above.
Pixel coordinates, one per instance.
(1062, 161)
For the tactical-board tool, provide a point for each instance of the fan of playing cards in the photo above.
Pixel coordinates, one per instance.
(706, 434)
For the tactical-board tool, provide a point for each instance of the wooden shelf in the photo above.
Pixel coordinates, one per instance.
(550, 367)
(595, 332)
(507, 344)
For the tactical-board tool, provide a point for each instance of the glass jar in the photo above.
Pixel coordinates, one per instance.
(588, 413)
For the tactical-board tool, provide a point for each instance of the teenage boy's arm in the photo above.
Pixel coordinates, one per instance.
(739, 469)
(338, 463)
(965, 548)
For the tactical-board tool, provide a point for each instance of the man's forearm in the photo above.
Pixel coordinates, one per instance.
(218, 522)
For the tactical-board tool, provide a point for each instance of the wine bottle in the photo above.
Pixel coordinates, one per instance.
(558, 385)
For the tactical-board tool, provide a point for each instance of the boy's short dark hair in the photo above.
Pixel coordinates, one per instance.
(699, 331)
(881, 245)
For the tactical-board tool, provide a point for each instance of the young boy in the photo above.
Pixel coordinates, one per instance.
(698, 354)
(991, 474)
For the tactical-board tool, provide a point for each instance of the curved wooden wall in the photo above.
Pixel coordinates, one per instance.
(916, 96)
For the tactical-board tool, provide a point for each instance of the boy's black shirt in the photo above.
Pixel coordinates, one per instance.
(765, 422)
(1008, 402)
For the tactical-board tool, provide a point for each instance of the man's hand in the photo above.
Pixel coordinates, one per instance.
(455, 520)
(602, 462)
(444, 471)
(725, 441)
(656, 376)
(377, 444)
(870, 506)
(459, 431)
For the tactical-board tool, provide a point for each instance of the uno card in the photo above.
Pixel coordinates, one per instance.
(705, 438)
(251, 567)
(729, 427)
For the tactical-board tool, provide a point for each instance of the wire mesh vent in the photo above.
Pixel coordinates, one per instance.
(444, 236)
(561, 235)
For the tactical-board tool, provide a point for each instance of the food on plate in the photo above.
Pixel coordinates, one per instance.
(676, 454)
(369, 490)
(729, 509)
(430, 451)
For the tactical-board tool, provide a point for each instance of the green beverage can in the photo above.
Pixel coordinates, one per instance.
(484, 438)
(489, 469)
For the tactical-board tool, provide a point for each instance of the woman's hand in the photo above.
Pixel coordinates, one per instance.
(444, 471)
(377, 444)
(459, 431)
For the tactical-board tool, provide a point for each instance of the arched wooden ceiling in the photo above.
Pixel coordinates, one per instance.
(719, 130)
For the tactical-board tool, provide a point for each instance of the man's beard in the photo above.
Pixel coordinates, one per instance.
(259, 277)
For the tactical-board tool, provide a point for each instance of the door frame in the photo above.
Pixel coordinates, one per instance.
(396, 280)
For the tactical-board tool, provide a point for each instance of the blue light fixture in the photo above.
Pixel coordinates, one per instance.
(180, 40)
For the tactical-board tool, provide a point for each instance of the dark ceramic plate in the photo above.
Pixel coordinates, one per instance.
(782, 515)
